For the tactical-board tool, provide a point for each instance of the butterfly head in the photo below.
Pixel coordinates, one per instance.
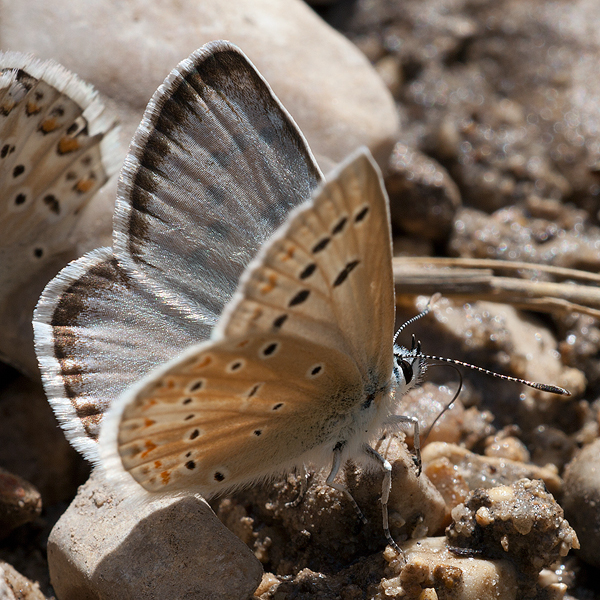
(409, 366)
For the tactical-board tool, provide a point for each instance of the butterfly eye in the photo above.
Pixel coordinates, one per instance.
(407, 370)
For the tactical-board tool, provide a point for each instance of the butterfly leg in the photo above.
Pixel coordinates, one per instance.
(385, 493)
(303, 486)
(395, 419)
(335, 467)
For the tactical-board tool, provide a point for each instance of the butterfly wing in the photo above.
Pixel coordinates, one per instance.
(214, 167)
(58, 146)
(57, 143)
(327, 276)
(305, 341)
(96, 330)
(224, 415)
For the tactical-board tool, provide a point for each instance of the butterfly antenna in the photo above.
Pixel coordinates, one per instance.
(544, 387)
(424, 312)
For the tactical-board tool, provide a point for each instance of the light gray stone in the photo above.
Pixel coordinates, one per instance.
(14, 586)
(126, 50)
(582, 500)
(108, 547)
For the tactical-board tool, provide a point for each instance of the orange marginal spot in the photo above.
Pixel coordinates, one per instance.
(270, 286)
(149, 404)
(84, 185)
(148, 422)
(243, 343)
(157, 464)
(288, 254)
(32, 108)
(49, 125)
(67, 144)
(207, 360)
(150, 445)
(165, 476)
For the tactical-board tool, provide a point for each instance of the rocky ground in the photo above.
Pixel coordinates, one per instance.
(490, 149)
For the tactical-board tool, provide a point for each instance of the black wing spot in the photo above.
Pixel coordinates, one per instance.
(299, 298)
(18, 170)
(343, 275)
(190, 464)
(38, 252)
(6, 150)
(340, 226)
(361, 215)
(196, 386)
(52, 203)
(279, 321)
(258, 432)
(316, 370)
(189, 417)
(321, 245)
(194, 434)
(187, 401)
(278, 406)
(236, 366)
(20, 199)
(254, 390)
(218, 476)
(308, 271)
(270, 349)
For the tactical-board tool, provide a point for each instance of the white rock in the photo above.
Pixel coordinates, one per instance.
(126, 50)
(173, 549)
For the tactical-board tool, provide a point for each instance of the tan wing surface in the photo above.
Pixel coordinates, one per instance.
(327, 275)
(233, 411)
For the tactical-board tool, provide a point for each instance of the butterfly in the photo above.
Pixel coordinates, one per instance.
(58, 146)
(242, 325)
(213, 169)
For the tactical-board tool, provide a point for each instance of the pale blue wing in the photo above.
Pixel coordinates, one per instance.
(212, 171)
(96, 332)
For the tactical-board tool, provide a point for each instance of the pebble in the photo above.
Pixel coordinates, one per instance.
(126, 50)
(521, 522)
(581, 500)
(107, 545)
(20, 502)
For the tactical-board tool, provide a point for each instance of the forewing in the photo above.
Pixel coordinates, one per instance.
(326, 276)
(213, 170)
(228, 413)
